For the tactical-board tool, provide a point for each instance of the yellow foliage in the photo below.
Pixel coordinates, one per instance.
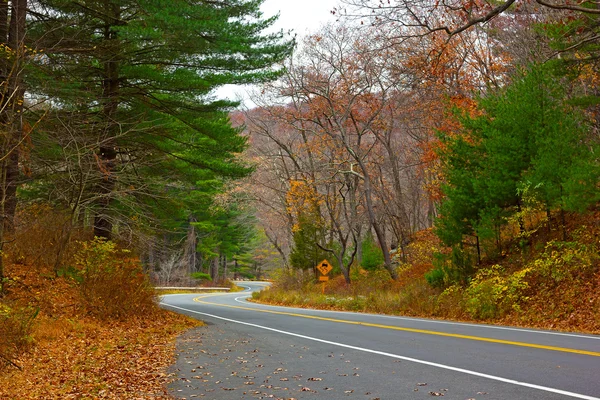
(493, 294)
(302, 199)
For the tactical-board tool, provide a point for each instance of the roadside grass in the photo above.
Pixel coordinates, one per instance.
(161, 292)
(554, 286)
(339, 297)
(233, 288)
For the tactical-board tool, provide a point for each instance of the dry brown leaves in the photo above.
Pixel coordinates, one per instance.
(77, 357)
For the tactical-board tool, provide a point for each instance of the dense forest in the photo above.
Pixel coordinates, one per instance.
(394, 119)
(111, 124)
(442, 156)
(406, 117)
(117, 162)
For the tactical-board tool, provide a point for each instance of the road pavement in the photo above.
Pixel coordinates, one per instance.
(257, 351)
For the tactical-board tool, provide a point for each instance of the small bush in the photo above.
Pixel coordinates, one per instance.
(15, 331)
(492, 294)
(289, 279)
(43, 237)
(450, 269)
(566, 261)
(201, 276)
(436, 278)
(112, 286)
(448, 304)
(372, 256)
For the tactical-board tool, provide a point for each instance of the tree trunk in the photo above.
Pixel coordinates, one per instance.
(379, 232)
(12, 35)
(107, 153)
(345, 270)
(15, 93)
(431, 213)
(189, 251)
(214, 269)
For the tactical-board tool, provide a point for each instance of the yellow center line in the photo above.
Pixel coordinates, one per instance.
(413, 330)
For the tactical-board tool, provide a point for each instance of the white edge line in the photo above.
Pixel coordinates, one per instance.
(414, 360)
(432, 321)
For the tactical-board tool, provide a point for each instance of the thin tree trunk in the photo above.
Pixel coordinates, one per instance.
(14, 106)
(431, 213)
(189, 252)
(379, 232)
(107, 154)
(478, 250)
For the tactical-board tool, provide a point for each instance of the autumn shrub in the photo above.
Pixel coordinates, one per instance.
(15, 331)
(418, 298)
(492, 293)
(567, 260)
(290, 279)
(449, 303)
(364, 282)
(112, 285)
(42, 237)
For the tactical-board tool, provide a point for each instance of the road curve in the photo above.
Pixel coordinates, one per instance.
(409, 357)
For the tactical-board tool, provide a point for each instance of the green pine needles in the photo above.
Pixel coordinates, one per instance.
(528, 149)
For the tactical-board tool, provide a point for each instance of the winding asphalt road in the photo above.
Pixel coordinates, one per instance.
(404, 358)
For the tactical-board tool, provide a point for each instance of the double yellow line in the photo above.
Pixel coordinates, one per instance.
(398, 328)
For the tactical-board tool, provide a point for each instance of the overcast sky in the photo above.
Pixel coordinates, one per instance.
(300, 16)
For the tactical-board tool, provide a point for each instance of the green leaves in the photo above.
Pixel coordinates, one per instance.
(138, 77)
(526, 136)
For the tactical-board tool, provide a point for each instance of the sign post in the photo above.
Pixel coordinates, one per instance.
(325, 268)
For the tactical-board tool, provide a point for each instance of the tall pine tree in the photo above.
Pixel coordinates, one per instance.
(131, 83)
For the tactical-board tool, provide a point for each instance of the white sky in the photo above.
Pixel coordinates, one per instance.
(300, 16)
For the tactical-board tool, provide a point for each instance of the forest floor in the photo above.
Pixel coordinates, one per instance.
(64, 353)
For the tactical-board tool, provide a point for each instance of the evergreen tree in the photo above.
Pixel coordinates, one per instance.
(306, 252)
(372, 254)
(526, 136)
(131, 82)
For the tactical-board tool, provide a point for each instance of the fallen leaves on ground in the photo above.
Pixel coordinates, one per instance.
(74, 356)
(92, 360)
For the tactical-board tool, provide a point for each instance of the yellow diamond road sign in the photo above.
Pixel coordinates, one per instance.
(324, 267)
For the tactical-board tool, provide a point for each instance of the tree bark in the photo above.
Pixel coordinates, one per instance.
(379, 232)
(15, 97)
(189, 252)
(12, 35)
(107, 154)
(214, 269)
